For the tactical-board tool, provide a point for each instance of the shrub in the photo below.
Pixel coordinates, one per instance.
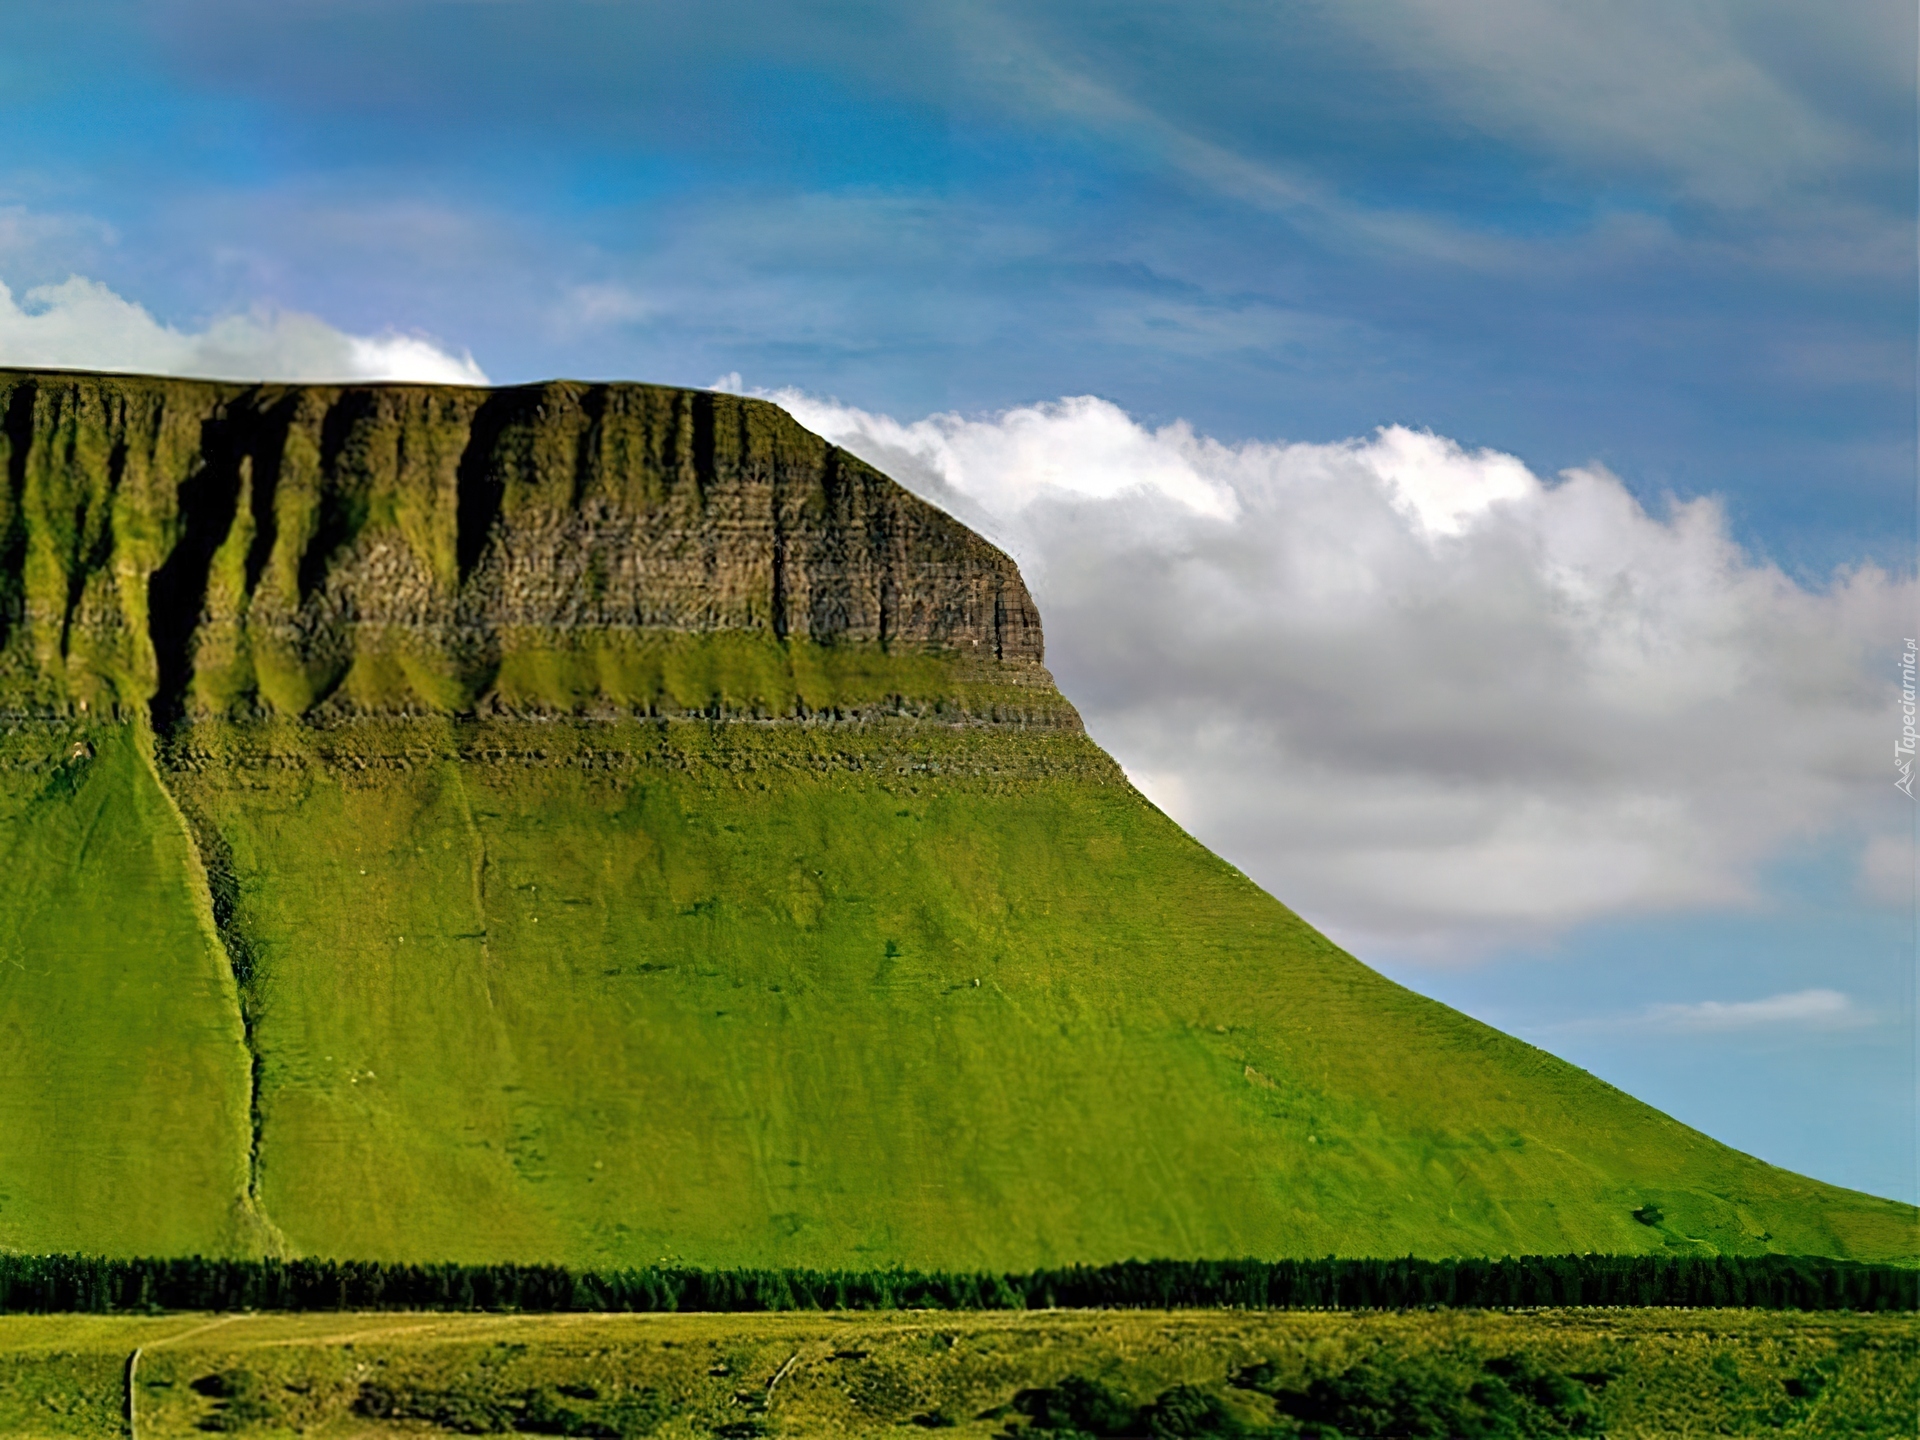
(1511, 1397)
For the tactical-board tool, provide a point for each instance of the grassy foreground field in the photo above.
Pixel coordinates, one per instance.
(1636, 1374)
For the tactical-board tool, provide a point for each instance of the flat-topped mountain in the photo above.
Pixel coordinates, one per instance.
(608, 823)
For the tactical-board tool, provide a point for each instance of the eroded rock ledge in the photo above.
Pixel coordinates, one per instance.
(195, 550)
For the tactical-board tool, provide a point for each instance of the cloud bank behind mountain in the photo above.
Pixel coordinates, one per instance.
(1433, 700)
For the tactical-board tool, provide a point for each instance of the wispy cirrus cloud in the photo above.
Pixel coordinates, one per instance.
(1733, 103)
(1266, 182)
(1807, 1009)
(1813, 1010)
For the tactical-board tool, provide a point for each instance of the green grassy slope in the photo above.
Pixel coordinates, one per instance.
(123, 1079)
(709, 992)
(606, 823)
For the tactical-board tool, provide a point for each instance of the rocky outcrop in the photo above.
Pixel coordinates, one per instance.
(193, 546)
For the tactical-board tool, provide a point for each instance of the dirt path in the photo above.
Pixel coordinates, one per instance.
(133, 1363)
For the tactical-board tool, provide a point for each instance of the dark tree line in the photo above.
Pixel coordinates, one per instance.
(58, 1283)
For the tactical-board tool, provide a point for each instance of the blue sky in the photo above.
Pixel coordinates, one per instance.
(1673, 240)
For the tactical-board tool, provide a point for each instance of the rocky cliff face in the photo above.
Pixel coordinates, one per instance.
(202, 548)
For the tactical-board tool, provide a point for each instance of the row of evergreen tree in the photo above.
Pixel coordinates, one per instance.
(59, 1283)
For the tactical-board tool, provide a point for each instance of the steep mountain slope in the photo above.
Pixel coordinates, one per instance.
(123, 1076)
(606, 823)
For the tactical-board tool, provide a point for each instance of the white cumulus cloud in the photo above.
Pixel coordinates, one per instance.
(80, 324)
(1435, 702)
